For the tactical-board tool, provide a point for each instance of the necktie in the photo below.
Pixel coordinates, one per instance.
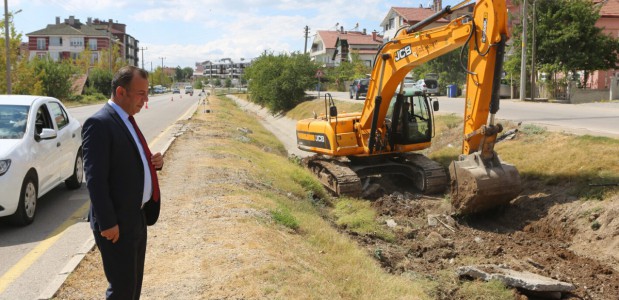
(153, 173)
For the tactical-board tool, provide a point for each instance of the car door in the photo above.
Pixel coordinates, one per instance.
(44, 152)
(65, 141)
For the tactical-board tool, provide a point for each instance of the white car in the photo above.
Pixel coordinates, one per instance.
(40, 148)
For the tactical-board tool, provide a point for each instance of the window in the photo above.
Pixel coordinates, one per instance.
(75, 55)
(92, 44)
(54, 55)
(77, 42)
(59, 115)
(94, 58)
(41, 44)
(41, 55)
(42, 120)
(391, 25)
(55, 41)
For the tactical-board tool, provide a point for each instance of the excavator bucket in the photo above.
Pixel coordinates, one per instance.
(478, 185)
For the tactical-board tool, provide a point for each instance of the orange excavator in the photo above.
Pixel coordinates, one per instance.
(353, 148)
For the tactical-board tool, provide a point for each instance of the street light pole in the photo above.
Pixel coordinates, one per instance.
(8, 48)
(523, 62)
(143, 49)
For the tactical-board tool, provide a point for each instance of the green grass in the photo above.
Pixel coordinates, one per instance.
(358, 216)
(284, 217)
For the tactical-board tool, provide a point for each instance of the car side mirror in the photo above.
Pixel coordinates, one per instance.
(46, 134)
(435, 105)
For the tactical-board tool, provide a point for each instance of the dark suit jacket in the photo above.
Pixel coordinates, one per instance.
(114, 173)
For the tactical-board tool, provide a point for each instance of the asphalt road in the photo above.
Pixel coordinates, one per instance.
(34, 260)
(601, 119)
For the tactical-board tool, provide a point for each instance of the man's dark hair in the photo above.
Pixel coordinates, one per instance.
(124, 76)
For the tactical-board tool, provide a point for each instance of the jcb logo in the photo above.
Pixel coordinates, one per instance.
(320, 138)
(403, 53)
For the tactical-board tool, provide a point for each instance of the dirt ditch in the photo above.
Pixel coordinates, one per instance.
(548, 233)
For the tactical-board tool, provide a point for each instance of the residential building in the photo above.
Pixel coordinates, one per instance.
(330, 48)
(222, 68)
(400, 17)
(609, 22)
(66, 40)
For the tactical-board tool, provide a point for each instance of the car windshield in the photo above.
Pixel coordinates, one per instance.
(13, 121)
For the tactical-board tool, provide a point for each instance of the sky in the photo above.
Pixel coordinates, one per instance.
(183, 32)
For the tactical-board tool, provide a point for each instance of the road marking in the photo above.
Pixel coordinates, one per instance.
(23, 264)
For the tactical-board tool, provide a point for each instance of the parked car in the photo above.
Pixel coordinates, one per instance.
(176, 91)
(431, 81)
(420, 85)
(359, 88)
(409, 86)
(40, 148)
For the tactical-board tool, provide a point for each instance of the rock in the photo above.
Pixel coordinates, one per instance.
(432, 221)
(522, 280)
(244, 130)
(391, 223)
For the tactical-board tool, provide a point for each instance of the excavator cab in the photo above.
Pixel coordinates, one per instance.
(410, 119)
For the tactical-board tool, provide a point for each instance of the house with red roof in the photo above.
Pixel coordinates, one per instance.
(609, 22)
(331, 47)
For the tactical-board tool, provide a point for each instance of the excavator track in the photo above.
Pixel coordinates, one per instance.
(431, 177)
(344, 177)
(335, 175)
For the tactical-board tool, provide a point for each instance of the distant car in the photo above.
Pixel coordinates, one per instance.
(176, 91)
(431, 81)
(189, 89)
(40, 148)
(420, 85)
(359, 88)
(409, 86)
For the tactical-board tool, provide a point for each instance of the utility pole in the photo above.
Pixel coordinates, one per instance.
(162, 58)
(8, 48)
(143, 49)
(533, 71)
(306, 37)
(523, 59)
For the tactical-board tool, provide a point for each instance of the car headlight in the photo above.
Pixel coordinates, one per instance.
(4, 166)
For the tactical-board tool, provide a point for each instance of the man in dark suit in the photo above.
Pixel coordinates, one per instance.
(122, 182)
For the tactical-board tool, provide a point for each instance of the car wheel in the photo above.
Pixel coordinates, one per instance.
(75, 181)
(27, 206)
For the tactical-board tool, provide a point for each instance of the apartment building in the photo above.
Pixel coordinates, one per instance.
(66, 40)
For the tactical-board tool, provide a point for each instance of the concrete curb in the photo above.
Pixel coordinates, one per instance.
(50, 291)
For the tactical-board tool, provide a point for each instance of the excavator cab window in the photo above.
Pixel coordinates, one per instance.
(414, 123)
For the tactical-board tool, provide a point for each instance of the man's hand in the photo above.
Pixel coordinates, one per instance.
(157, 160)
(112, 234)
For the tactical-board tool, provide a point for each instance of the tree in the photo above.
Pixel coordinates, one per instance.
(178, 74)
(14, 43)
(278, 82)
(187, 73)
(449, 67)
(228, 82)
(101, 80)
(567, 39)
(55, 77)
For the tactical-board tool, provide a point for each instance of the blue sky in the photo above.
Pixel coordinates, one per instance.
(187, 31)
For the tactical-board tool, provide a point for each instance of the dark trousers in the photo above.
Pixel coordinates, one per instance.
(123, 261)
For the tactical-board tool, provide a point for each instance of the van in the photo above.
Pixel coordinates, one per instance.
(189, 89)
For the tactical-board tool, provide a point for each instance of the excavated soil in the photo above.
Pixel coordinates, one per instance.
(546, 233)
